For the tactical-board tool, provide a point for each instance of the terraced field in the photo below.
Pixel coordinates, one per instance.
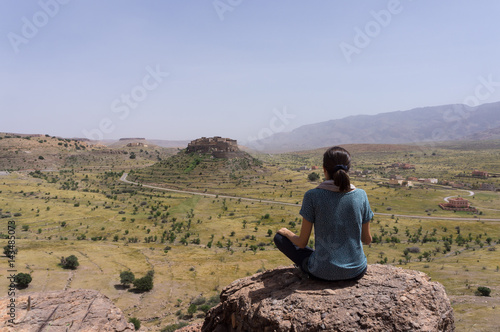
(198, 244)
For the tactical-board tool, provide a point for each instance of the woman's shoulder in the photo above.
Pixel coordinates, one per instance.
(358, 192)
(315, 192)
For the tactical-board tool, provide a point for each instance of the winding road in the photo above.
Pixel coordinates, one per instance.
(446, 199)
(124, 179)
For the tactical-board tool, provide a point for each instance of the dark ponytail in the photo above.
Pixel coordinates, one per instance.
(337, 162)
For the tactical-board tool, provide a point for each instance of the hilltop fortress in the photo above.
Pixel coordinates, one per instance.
(217, 146)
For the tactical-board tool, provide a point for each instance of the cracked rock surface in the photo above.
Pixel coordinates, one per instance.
(69, 310)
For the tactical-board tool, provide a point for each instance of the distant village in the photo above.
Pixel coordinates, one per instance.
(453, 204)
(410, 181)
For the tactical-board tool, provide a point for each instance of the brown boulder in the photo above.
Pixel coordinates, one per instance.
(70, 310)
(387, 298)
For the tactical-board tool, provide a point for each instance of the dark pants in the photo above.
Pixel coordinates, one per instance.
(300, 256)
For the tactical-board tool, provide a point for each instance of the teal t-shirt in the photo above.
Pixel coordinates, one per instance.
(337, 219)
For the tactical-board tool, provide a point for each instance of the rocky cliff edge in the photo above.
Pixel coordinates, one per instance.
(387, 298)
(71, 310)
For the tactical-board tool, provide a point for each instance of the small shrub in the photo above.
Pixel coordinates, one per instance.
(199, 301)
(136, 322)
(173, 327)
(126, 278)
(22, 280)
(70, 262)
(192, 309)
(144, 284)
(483, 291)
(213, 300)
(413, 250)
(204, 308)
(313, 176)
(9, 251)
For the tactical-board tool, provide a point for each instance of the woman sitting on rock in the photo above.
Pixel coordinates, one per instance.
(341, 217)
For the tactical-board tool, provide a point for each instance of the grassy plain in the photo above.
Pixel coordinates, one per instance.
(198, 244)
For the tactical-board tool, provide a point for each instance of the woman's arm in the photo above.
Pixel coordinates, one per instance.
(302, 239)
(366, 237)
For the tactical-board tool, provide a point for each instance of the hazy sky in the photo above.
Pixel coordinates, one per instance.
(236, 68)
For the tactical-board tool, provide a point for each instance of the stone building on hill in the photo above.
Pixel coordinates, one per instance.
(132, 139)
(481, 174)
(216, 146)
(136, 144)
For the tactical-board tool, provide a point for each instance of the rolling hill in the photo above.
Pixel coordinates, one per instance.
(45, 152)
(438, 123)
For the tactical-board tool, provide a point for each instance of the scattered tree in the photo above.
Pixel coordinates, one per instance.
(70, 262)
(22, 280)
(483, 291)
(126, 278)
(145, 283)
(313, 176)
(192, 309)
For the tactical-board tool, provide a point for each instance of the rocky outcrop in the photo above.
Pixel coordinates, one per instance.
(190, 328)
(217, 146)
(72, 310)
(387, 298)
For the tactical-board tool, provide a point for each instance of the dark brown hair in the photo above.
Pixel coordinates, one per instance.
(337, 162)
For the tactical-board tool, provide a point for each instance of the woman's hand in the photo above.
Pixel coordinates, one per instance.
(299, 240)
(286, 232)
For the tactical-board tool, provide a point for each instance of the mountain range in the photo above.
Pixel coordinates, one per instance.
(436, 123)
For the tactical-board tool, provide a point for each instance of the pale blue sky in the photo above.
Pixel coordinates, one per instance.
(234, 64)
